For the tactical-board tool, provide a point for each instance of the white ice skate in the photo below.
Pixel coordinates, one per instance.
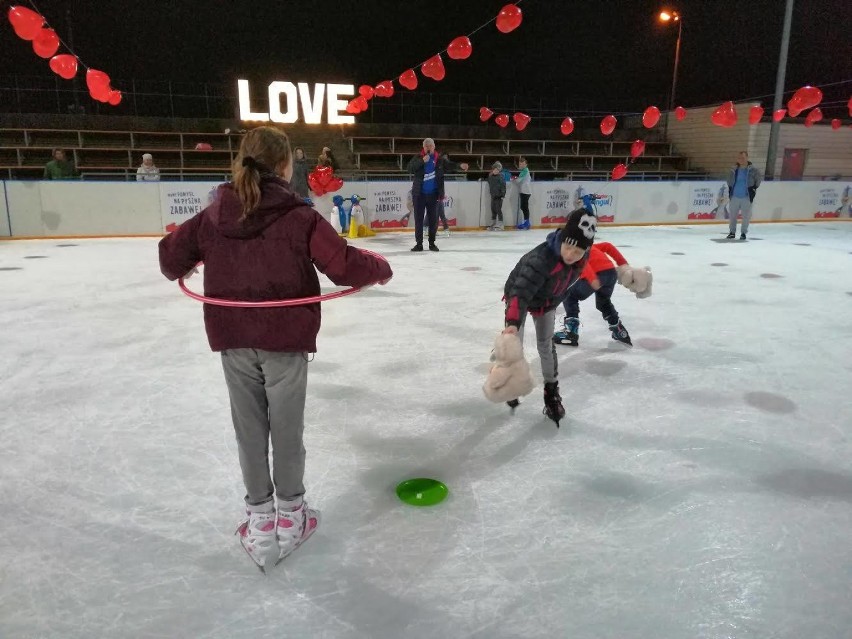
(257, 534)
(296, 523)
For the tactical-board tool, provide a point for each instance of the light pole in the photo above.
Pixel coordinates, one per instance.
(673, 16)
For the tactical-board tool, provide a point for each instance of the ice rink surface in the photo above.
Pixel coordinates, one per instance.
(700, 487)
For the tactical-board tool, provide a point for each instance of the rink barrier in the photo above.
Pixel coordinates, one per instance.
(69, 210)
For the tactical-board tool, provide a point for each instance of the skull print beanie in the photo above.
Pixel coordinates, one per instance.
(580, 229)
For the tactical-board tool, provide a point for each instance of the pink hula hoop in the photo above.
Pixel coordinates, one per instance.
(299, 301)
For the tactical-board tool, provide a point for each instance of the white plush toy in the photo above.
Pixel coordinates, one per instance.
(510, 377)
(636, 280)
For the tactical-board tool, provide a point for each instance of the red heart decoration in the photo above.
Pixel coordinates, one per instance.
(98, 83)
(619, 171)
(650, 117)
(680, 113)
(725, 115)
(434, 68)
(836, 124)
(64, 65)
(567, 126)
(805, 98)
(779, 115)
(26, 22)
(608, 125)
(637, 149)
(114, 97)
(384, 89)
(361, 103)
(352, 108)
(323, 175)
(485, 114)
(334, 184)
(316, 187)
(502, 120)
(460, 48)
(509, 18)
(46, 43)
(366, 91)
(521, 121)
(409, 80)
(813, 117)
(755, 113)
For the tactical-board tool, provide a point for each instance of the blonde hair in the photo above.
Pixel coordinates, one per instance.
(262, 150)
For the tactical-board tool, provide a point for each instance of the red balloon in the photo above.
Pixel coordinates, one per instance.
(460, 48)
(521, 121)
(650, 117)
(608, 125)
(509, 18)
(804, 99)
(114, 97)
(334, 184)
(755, 113)
(409, 80)
(46, 43)
(366, 91)
(836, 124)
(361, 103)
(619, 171)
(26, 22)
(779, 115)
(637, 149)
(352, 108)
(813, 117)
(384, 89)
(97, 79)
(434, 68)
(725, 115)
(316, 187)
(485, 114)
(567, 126)
(502, 120)
(64, 65)
(680, 113)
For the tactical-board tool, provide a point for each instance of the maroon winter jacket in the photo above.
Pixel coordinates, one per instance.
(269, 256)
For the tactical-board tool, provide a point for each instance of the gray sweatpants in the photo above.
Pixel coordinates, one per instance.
(267, 392)
(739, 205)
(544, 343)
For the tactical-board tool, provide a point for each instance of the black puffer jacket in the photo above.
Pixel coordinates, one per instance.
(540, 281)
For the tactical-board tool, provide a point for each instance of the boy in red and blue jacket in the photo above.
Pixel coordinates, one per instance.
(599, 277)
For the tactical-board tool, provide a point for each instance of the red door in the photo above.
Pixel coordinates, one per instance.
(794, 164)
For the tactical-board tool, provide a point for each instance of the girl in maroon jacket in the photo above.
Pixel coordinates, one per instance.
(259, 241)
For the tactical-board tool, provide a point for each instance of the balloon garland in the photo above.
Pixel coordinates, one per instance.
(30, 25)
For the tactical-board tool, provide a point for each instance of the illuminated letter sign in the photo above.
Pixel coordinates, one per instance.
(291, 96)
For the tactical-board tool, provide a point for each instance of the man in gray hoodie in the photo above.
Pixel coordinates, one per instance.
(497, 187)
(742, 187)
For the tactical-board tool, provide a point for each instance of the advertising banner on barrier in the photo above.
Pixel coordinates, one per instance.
(179, 201)
(834, 201)
(389, 205)
(560, 198)
(708, 201)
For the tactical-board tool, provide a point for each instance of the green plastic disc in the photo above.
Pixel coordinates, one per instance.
(422, 492)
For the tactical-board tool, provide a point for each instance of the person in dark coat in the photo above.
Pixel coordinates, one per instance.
(538, 284)
(259, 241)
(299, 182)
(429, 169)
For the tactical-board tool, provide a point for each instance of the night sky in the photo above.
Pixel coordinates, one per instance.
(613, 53)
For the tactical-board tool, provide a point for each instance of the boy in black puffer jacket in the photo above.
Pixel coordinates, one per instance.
(538, 284)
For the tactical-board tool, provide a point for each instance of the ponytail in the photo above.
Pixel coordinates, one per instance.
(262, 152)
(247, 185)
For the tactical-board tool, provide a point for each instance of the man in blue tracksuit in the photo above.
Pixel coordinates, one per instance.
(742, 186)
(428, 170)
